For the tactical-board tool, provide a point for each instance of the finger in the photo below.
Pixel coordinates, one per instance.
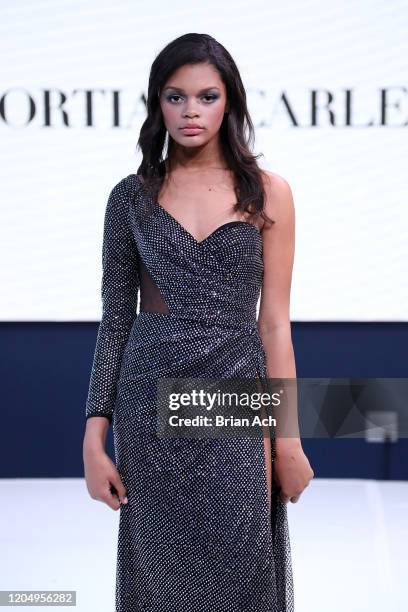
(109, 497)
(120, 489)
(278, 489)
(113, 502)
(283, 497)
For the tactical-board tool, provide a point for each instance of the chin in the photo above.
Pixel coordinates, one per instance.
(191, 141)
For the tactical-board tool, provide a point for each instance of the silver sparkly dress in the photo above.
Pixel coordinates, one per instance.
(197, 534)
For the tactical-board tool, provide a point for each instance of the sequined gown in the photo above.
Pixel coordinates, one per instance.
(197, 534)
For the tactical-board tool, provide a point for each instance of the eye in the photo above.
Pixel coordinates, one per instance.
(173, 96)
(209, 97)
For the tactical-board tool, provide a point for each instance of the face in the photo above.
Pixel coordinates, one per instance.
(194, 95)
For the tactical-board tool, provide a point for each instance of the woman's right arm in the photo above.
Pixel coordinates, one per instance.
(119, 292)
(100, 472)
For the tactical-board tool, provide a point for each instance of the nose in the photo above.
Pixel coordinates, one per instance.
(190, 111)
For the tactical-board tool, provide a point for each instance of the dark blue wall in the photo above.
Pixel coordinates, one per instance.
(45, 369)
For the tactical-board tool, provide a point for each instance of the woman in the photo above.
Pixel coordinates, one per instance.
(199, 234)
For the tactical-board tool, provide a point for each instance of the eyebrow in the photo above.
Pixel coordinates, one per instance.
(182, 90)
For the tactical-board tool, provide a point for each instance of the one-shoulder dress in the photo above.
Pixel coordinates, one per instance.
(198, 533)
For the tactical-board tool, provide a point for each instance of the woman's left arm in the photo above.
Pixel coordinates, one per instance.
(292, 468)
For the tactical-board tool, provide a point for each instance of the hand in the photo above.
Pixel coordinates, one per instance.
(292, 470)
(102, 478)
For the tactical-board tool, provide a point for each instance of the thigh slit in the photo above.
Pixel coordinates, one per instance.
(267, 452)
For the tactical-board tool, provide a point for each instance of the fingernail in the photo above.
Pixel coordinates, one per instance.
(125, 500)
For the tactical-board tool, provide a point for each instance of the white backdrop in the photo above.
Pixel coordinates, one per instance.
(349, 180)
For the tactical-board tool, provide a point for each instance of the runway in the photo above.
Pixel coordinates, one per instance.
(349, 542)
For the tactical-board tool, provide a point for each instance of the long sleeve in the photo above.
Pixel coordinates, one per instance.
(119, 292)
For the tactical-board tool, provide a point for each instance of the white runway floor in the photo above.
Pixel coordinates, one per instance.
(349, 544)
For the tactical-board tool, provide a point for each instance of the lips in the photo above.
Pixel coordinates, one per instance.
(191, 131)
(192, 127)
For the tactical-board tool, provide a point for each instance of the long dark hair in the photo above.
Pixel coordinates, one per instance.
(236, 131)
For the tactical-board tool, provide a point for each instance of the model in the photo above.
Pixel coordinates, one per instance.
(200, 232)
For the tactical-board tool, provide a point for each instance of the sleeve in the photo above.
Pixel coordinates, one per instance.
(119, 293)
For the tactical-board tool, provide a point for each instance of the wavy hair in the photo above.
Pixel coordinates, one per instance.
(236, 131)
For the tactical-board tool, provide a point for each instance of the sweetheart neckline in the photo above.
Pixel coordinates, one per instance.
(181, 226)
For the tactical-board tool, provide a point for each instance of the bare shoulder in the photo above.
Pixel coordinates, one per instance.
(279, 204)
(274, 181)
